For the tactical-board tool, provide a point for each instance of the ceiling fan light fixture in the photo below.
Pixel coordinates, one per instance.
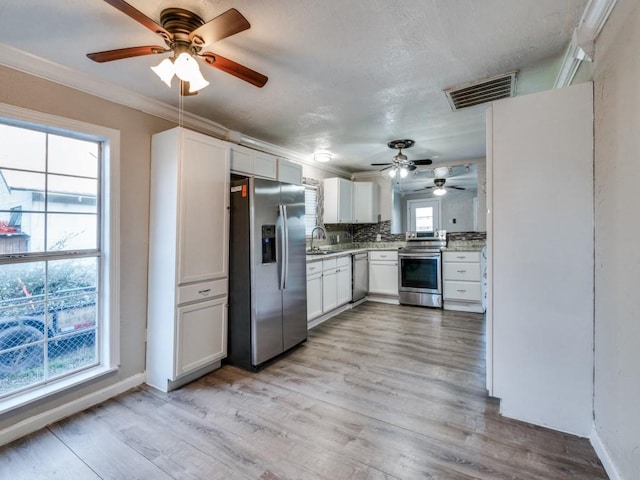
(165, 70)
(403, 172)
(439, 191)
(197, 82)
(392, 172)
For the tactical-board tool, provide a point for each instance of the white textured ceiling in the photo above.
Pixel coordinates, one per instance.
(344, 75)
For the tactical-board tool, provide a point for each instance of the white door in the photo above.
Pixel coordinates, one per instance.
(423, 215)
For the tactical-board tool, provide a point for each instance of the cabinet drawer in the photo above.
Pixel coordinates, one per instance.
(343, 261)
(461, 271)
(314, 267)
(383, 255)
(467, 291)
(329, 264)
(202, 291)
(461, 256)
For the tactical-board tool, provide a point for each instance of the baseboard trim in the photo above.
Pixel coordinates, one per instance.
(32, 424)
(604, 456)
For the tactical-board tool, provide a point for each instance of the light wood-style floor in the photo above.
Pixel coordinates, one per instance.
(379, 392)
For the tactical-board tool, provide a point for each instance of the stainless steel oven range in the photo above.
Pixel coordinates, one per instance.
(420, 269)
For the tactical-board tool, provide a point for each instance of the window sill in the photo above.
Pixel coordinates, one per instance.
(42, 392)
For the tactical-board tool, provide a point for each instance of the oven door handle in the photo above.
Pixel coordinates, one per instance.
(419, 255)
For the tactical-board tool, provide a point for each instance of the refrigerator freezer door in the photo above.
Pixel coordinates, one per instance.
(294, 295)
(266, 325)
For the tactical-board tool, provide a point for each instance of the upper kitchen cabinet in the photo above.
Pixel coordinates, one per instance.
(365, 202)
(253, 163)
(540, 269)
(338, 200)
(188, 257)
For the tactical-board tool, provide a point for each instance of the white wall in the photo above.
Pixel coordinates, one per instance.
(540, 233)
(616, 76)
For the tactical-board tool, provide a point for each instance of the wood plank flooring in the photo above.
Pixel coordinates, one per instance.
(378, 392)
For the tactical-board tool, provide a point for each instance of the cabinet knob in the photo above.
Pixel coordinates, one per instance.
(461, 257)
(205, 291)
(462, 291)
(461, 271)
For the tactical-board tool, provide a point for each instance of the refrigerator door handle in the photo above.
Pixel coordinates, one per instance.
(286, 247)
(283, 245)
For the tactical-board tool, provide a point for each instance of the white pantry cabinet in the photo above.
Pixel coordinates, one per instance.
(338, 200)
(365, 202)
(188, 257)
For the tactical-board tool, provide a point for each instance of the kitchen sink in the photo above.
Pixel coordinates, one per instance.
(317, 252)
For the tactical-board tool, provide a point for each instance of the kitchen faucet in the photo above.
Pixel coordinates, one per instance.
(324, 235)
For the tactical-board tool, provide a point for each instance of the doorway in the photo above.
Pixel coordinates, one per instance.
(423, 215)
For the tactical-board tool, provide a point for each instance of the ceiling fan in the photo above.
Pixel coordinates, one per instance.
(438, 184)
(400, 162)
(185, 35)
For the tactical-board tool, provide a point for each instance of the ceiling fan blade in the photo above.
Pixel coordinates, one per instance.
(380, 164)
(425, 161)
(120, 53)
(139, 17)
(411, 168)
(385, 168)
(223, 26)
(235, 69)
(456, 188)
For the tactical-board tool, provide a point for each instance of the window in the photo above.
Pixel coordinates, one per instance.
(423, 215)
(57, 253)
(310, 209)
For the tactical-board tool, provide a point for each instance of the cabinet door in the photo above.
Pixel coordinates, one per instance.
(314, 296)
(383, 278)
(289, 172)
(343, 280)
(264, 165)
(329, 291)
(201, 335)
(204, 215)
(465, 291)
(461, 271)
(241, 160)
(345, 201)
(365, 202)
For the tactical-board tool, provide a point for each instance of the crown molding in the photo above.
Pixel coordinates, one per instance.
(582, 45)
(39, 67)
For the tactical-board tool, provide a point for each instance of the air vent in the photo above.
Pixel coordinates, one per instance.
(476, 93)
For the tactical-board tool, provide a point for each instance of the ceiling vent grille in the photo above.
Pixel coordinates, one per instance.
(488, 90)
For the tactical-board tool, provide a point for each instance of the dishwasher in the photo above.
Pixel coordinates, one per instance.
(360, 276)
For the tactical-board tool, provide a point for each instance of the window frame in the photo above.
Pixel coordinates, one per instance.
(315, 189)
(109, 258)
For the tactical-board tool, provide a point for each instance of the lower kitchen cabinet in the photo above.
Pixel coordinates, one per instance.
(462, 281)
(328, 285)
(201, 336)
(383, 272)
(314, 290)
(343, 280)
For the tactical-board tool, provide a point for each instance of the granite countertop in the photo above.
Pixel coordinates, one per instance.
(350, 248)
(465, 246)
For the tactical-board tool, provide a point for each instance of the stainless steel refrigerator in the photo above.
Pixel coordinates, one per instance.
(267, 271)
